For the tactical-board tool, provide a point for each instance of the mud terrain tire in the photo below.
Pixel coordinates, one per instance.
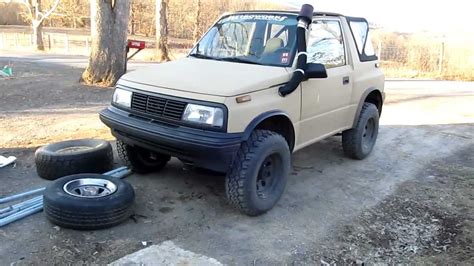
(257, 178)
(358, 142)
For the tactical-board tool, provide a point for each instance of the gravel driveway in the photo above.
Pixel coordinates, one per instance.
(410, 201)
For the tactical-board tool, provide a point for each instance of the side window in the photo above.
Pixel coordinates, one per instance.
(326, 44)
(361, 33)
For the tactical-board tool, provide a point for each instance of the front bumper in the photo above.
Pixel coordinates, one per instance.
(207, 149)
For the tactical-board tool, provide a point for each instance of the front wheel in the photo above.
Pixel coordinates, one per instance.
(358, 142)
(141, 160)
(257, 178)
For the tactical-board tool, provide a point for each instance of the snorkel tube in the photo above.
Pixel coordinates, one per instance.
(304, 18)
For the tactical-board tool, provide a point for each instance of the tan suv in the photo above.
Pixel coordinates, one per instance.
(258, 86)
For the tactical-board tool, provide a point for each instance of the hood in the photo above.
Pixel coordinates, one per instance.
(210, 77)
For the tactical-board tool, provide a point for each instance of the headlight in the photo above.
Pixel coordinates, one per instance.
(122, 97)
(213, 116)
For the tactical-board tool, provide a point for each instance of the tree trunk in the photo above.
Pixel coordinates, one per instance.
(161, 11)
(109, 24)
(197, 26)
(37, 25)
(38, 35)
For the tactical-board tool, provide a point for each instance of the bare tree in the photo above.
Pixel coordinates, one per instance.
(161, 20)
(109, 20)
(37, 16)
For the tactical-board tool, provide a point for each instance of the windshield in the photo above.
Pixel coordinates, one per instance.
(250, 38)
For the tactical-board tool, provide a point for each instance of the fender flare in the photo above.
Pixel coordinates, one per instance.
(362, 100)
(257, 120)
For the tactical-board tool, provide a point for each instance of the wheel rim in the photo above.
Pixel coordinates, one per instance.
(267, 177)
(90, 187)
(73, 149)
(368, 134)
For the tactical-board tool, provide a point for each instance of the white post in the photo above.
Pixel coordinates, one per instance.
(2, 41)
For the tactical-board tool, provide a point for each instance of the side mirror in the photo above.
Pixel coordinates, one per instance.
(316, 71)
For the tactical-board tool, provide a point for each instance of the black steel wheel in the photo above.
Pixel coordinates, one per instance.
(359, 142)
(257, 178)
(141, 160)
(269, 175)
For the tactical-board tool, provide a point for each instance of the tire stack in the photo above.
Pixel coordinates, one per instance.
(80, 198)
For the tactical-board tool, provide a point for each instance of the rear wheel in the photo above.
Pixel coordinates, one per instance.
(141, 160)
(358, 142)
(258, 175)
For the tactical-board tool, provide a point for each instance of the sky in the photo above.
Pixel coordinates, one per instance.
(446, 18)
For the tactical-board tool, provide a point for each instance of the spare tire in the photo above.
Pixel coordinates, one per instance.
(88, 201)
(73, 157)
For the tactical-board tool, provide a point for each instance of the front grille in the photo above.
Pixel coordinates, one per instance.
(158, 106)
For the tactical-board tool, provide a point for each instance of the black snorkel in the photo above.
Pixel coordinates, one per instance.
(305, 19)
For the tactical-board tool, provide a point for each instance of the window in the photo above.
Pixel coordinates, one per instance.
(326, 44)
(361, 34)
(278, 31)
(252, 38)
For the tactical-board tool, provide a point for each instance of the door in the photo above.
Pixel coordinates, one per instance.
(325, 102)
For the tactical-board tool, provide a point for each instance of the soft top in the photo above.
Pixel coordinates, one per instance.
(293, 12)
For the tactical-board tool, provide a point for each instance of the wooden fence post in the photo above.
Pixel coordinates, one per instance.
(441, 59)
(379, 50)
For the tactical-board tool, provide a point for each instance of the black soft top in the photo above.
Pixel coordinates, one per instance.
(294, 12)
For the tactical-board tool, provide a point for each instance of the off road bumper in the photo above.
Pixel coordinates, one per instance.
(207, 149)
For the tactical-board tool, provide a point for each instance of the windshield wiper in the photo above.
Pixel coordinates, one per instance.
(203, 56)
(239, 60)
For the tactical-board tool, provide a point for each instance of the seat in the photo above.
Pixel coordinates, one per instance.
(273, 44)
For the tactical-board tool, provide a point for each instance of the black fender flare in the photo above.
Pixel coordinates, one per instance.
(257, 120)
(362, 100)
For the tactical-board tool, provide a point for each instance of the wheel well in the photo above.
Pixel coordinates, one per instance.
(375, 97)
(281, 125)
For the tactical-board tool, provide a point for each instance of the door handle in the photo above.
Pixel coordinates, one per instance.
(345, 80)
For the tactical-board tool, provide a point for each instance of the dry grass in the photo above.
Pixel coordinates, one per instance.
(423, 56)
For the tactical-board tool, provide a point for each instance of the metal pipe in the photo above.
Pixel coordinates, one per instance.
(22, 214)
(21, 195)
(19, 206)
(120, 172)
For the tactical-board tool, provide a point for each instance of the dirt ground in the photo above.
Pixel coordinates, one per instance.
(411, 201)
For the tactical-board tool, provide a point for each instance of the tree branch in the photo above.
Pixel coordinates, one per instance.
(47, 14)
